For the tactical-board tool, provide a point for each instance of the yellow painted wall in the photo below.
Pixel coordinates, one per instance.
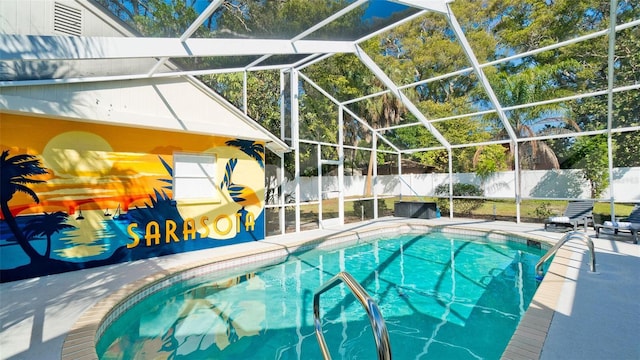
(93, 169)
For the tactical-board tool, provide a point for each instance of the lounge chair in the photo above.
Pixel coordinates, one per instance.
(577, 212)
(631, 224)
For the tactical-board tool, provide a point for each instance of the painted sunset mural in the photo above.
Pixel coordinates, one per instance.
(77, 195)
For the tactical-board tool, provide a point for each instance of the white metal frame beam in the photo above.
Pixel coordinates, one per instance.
(347, 110)
(192, 29)
(61, 48)
(440, 6)
(503, 60)
(484, 81)
(330, 19)
(309, 30)
(38, 48)
(371, 65)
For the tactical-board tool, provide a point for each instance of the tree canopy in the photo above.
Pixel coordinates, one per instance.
(427, 47)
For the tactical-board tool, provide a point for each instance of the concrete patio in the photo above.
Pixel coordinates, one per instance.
(586, 315)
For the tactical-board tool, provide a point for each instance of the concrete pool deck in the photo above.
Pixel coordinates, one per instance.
(575, 314)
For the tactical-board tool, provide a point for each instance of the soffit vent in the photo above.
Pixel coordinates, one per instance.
(67, 20)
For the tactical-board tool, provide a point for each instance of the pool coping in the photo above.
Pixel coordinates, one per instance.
(526, 343)
(530, 335)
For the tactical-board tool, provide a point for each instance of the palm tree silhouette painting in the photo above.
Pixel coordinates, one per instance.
(47, 225)
(20, 171)
(160, 209)
(15, 173)
(251, 148)
(241, 194)
(170, 171)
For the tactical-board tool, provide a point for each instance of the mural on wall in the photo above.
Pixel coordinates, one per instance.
(77, 195)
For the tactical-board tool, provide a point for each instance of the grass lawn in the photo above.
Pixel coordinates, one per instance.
(530, 210)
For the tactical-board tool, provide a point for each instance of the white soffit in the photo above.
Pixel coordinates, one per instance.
(165, 104)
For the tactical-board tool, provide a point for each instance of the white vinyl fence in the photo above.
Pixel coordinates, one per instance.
(552, 184)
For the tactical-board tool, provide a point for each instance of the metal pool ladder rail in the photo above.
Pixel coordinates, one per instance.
(568, 236)
(373, 311)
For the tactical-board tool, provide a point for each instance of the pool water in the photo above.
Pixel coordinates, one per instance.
(441, 297)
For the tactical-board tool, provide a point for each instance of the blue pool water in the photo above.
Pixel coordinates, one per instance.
(441, 297)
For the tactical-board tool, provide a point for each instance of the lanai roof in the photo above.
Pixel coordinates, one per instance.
(73, 55)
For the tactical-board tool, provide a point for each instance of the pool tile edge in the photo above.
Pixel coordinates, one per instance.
(528, 340)
(80, 342)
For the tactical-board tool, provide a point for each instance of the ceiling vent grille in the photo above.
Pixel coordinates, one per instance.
(67, 20)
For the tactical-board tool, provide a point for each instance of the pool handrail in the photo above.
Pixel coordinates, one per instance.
(378, 325)
(568, 236)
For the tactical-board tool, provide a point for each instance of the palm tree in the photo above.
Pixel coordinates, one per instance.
(529, 86)
(14, 176)
(47, 225)
(385, 112)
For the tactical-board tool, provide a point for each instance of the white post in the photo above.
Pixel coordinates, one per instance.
(375, 174)
(400, 174)
(341, 165)
(450, 183)
(319, 186)
(518, 180)
(283, 223)
(245, 100)
(610, 74)
(295, 140)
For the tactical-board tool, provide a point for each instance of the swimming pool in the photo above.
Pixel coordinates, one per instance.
(442, 296)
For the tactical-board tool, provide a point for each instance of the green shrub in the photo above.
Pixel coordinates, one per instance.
(543, 210)
(460, 206)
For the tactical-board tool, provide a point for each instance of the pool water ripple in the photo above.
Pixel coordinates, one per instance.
(442, 296)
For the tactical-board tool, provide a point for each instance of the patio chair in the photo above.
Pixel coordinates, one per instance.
(577, 212)
(631, 224)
